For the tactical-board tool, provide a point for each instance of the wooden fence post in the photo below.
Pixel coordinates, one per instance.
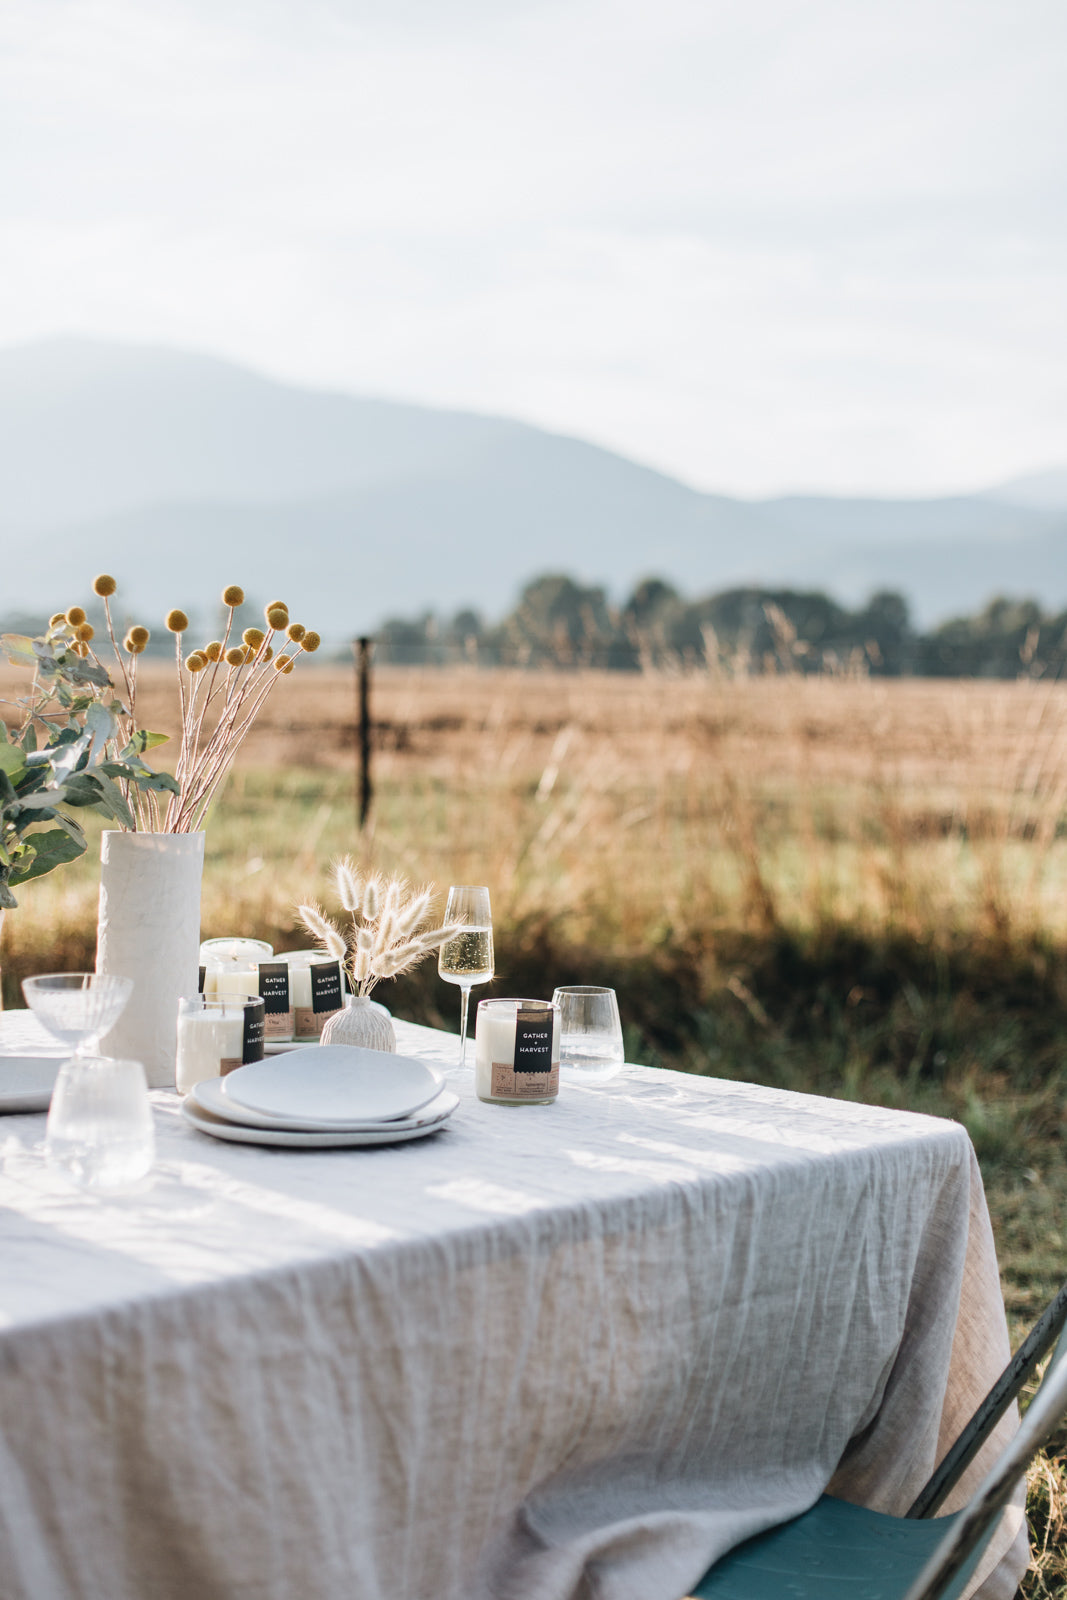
(365, 788)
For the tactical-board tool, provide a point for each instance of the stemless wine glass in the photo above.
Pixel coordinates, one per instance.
(467, 958)
(590, 1033)
(99, 1127)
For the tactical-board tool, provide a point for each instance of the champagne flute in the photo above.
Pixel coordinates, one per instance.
(467, 958)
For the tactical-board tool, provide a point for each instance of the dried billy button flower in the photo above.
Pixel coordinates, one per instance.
(268, 654)
(295, 631)
(132, 645)
(253, 637)
(58, 620)
(84, 632)
(177, 621)
(278, 616)
(310, 642)
(140, 636)
(234, 595)
(213, 651)
(104, 585)
(196, 661)
(235, 655)
(283, 664)
(75, 616)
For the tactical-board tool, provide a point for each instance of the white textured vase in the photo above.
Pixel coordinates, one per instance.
(148, 929)
(361, 1023)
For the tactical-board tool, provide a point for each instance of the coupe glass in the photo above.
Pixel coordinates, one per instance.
(99, 1128)
(467, 958)
(590, 1033)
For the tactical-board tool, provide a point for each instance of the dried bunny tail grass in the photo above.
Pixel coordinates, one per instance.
(413, 913)
(365, 940)
(433, 938)
(372, 898)
(348, 885)
(360, 964)
(322, 929)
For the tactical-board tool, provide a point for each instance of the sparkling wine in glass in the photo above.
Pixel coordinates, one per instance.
(467, 958)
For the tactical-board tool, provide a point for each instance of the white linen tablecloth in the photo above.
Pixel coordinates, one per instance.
(552, 1353)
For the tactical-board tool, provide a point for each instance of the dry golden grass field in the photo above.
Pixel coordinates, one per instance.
(854, 886)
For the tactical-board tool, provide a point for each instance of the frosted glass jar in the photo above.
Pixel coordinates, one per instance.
(516, 1052)
(316, 991)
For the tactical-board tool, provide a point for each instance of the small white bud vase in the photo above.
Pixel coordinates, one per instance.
(360, 1023)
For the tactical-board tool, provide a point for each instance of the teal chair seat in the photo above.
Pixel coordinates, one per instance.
(835, 1551)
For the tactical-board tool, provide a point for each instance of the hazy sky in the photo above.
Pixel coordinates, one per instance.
(765, 244)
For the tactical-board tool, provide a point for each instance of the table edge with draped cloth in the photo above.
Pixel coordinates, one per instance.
(570, 1352)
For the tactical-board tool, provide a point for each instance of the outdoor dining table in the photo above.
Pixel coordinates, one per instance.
(550, 1352)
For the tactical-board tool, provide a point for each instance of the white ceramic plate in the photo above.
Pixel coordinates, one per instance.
(211, 1096)
(334, 1085)
(339, 1140)
(27, 1081)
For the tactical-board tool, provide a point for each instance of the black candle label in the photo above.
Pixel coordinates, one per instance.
(326, 987)
(202, 972)
(533, 1040)
(274, 986)
(252, 1041)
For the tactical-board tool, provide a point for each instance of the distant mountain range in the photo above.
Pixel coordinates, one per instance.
(180, 473)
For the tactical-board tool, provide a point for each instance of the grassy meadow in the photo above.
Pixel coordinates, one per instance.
(847, 885)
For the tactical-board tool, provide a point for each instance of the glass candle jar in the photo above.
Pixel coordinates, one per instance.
(516, 1052)
(217, 1035)
(316, 990)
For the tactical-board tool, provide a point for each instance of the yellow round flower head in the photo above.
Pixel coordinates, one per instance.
(75, 616)
(84, 632)
(253, 637)
(278, 616)
(104, 585)
(295, 631)
(234, 595)
(58, 620)
(235, 656)
(249, 655)
(213, 651)
(140, 636)
(310, 642)
(177, 621)
(268, 654)
(284, 664)
(79, 648)
(195, 662)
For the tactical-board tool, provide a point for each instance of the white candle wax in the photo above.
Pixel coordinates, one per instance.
(205, 1040)
(231, 977)
(300, 984)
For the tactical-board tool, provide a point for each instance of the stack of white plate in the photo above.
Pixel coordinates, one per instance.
(323, 1097)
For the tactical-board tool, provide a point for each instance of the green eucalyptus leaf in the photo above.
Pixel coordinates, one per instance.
(29, 738)
(12, 760)
(18, 649)
(50, 850)
(108, 796)
(47, 797)
(141, 741)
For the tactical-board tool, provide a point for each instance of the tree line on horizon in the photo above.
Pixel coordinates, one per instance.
(563, 623)
(559, 622)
